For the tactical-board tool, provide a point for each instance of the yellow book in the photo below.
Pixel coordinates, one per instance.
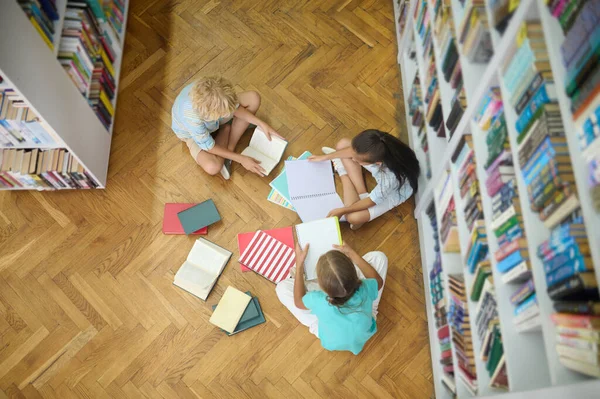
(42, 33)
(106, 101)
(107, 62)
(231, 307)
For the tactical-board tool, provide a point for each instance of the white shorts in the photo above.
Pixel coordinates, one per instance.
(379, 209)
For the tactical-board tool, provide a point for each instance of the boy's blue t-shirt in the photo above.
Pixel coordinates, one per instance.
(347, 328)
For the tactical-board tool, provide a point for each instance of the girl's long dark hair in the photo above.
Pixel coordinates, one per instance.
(382, 147)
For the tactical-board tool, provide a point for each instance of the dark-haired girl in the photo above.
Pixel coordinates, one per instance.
(342, 309)
(392, 163)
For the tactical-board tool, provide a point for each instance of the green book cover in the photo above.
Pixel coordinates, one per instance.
(506, 226)
(538, 114)
(252, 316)
(478, 286)
(199, 216)
(495, 352)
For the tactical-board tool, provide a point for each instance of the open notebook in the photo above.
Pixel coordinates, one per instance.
(321, 235)
(312, 189)
(202, 268)
(269, 153)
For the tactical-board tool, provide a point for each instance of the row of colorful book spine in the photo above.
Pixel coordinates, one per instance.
(547, 172)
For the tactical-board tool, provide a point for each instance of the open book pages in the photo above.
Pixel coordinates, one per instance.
(269, 153)
(203, 266)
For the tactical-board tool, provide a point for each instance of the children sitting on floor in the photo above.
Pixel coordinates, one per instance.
(392, 163)
(342, 310)
(211, 118)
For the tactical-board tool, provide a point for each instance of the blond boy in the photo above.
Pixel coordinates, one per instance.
(211, 118)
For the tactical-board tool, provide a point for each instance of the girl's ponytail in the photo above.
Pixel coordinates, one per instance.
(382, 147)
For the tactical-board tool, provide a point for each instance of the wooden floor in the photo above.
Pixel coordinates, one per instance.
(87, 305)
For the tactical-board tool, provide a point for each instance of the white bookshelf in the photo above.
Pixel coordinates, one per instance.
(34, 72)
(532, 364)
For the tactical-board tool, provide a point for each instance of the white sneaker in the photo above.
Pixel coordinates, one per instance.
(337, 163)
(226, 169)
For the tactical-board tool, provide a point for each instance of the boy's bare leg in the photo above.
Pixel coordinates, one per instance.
(211, 163)
(251, 101)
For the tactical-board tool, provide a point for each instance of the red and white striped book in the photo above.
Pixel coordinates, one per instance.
(268, 257)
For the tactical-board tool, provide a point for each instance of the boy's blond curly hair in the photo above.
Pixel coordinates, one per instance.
(213, 97)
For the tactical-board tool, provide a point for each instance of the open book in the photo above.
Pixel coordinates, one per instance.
(321, 235)
(269, 153)
(203, 266)
(312, 189)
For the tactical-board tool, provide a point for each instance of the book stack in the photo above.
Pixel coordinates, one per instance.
(567, 263)
(415, 103)
(577, 340)
(527, 311)
(488, 331)
(448, 227)
(89, 48)
(588, 131)
(403, 7)
(580, 50)
(19, 125)
(458, 318)
(572, 284)
(489, 108)
(433, 113)
(474, 33)
(438, 300)
(42, 169)
(446, 38)
(526, 73)
(464, 159)
(43, 15)
(477, 250)
(501, 12)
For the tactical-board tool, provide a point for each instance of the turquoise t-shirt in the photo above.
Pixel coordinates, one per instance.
(347, 328)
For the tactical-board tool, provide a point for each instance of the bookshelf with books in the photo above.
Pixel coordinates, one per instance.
(36, 75)
(550, 213)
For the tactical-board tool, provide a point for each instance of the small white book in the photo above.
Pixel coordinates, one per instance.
(230, 309)
(321, 235)
(202, 268)
(269, 153)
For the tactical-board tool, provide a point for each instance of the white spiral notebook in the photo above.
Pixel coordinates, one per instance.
(321, 235)
(312, 189)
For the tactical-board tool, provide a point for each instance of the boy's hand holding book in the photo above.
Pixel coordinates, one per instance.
(269, 131)
(252, 165)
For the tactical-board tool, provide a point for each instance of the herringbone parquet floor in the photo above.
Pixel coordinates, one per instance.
(87, 305)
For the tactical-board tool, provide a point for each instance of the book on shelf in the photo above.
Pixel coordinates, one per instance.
(523, 292)
(578, 307)
(474, 34)
(580, 286)
(42, 169)
(42, 14)
(577, 342)
(89, 48)
(204, 264)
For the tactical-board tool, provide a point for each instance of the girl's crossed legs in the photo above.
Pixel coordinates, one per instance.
(354, 186)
